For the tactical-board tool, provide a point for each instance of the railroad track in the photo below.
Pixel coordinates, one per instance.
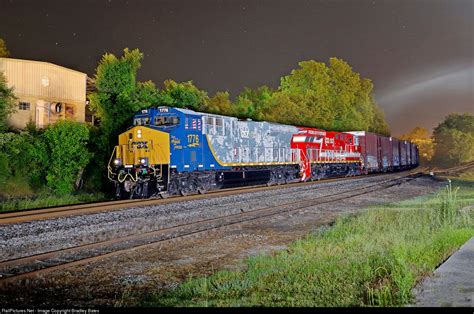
(464, 166)
(22, 268)
(92, 208)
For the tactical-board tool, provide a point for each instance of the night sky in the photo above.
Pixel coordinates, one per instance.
(419, 54)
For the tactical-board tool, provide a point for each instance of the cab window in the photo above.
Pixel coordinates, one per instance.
(166, 120)
(141, 121)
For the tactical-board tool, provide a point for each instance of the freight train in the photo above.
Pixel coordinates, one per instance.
(179, 151)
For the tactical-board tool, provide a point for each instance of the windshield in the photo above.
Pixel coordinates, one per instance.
(141, 121)
(166, 120)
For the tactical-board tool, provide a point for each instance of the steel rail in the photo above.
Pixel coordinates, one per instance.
(92, 208)
(173, 232)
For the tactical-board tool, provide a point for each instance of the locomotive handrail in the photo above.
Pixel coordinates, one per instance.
(109, 168)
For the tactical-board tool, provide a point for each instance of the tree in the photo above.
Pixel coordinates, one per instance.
(7, 102)
(331, 97)
(219, 104)
(66, 142)
(243, 108)
(182, 95)
(118, 96)
(361, 114)
(17, 150)
(285, 110)
(3, 49)
(253, 103)
(421, 137)
(308, 87)
(379, 124)
(454, 140)
(344, 86)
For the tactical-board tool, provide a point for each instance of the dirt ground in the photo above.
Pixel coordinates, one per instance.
(124, 279)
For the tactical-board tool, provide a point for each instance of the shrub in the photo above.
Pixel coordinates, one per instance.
(68, 154)
(7, 102)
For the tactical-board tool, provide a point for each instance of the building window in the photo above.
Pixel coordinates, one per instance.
(24, 105)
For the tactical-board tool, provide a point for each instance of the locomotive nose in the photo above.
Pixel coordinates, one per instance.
(142, 146)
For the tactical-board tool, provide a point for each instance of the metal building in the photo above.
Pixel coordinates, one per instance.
(46, 92)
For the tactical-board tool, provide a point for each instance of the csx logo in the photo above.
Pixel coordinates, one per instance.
(142, 144)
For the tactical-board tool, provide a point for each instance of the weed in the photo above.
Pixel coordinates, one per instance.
(373, 259)
(47, 200)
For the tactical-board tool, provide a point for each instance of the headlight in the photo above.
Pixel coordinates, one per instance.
(117, 162)
(143, 161)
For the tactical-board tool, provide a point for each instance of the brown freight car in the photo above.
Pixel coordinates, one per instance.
(386, 153)
(396, 153)
(380, 153)
(370, 151)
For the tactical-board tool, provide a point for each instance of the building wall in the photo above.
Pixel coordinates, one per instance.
(43, 85)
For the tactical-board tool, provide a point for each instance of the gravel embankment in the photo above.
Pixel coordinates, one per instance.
(117, 280)
(41, 236)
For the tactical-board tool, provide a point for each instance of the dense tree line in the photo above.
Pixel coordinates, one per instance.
(51, 159)
(332, 97)
(452, 141)
(422, 138)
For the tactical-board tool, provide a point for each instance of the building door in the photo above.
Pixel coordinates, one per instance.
(39, 114)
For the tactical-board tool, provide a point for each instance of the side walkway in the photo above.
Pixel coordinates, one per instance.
(452, 284)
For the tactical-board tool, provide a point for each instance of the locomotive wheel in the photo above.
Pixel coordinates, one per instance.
(163, 195)
(183, 192)
(118, 191)
(144, 191)
(202, 191)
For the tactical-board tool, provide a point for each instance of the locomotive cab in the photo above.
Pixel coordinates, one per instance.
(139, 164)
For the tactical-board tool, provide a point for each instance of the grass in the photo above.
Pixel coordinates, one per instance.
(17, 194)
(15, 187)
(44, 199)
(467, 175)
(373, 259)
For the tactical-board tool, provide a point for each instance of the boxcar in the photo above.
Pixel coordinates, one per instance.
(395, 153)
(370, 150)
(403, 154)
(414, 155)
(386, 153)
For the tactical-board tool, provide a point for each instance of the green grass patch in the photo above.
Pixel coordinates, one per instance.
(373, 259)
(17, 194)
(45, 199)
(467, 175)
(15, 187)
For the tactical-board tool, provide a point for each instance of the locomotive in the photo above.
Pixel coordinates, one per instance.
(171, 151)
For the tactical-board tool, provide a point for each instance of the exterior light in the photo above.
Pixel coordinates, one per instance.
(144, 161)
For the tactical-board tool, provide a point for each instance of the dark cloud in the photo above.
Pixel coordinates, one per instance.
(418, 53)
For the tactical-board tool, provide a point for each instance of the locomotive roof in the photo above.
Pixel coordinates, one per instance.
(189, 111)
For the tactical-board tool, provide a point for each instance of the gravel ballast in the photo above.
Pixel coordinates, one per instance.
(114, 281)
